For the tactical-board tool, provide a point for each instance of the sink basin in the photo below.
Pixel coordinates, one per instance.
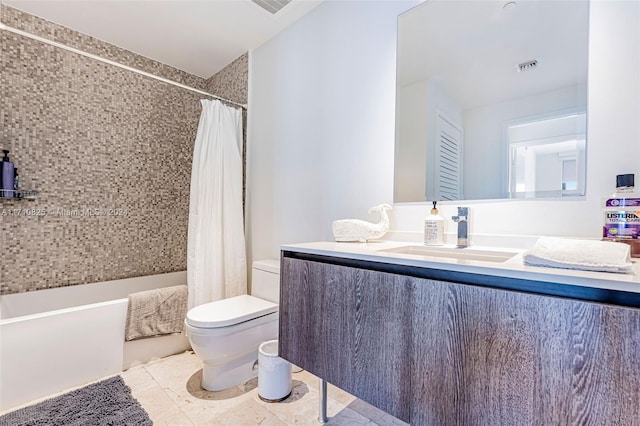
(454, 253)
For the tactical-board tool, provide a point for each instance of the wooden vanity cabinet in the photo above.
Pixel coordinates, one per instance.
(351, 327)
(486, 356)
(438, 353)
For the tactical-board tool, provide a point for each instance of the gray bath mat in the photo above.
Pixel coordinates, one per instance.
(108, 402)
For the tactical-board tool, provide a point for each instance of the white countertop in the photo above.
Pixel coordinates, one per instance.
(512, 268)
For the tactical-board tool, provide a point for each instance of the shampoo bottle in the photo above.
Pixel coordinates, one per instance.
(434, 228)
(7, 176)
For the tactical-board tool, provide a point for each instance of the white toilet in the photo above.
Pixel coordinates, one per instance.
(226, 334)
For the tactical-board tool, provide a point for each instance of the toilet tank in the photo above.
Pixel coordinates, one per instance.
(265, 280)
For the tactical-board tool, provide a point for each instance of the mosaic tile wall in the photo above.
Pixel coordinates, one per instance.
(110, 152)
(232, 82)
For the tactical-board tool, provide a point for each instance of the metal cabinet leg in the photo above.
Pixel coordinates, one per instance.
(322, 415)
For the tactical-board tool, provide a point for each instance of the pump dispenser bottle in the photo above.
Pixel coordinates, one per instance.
(7, 176)
(434, 228)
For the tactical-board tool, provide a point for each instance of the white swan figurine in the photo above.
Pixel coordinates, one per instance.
(361, 230)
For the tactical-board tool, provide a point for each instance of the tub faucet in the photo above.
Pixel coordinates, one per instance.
(463, 226)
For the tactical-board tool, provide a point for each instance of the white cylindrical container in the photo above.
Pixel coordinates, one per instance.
(274, 373)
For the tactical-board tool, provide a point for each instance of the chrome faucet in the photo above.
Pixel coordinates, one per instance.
(463, 226)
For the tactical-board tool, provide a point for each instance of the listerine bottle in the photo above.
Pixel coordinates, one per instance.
(622, 211)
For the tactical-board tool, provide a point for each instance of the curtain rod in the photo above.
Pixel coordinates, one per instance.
(114, 63)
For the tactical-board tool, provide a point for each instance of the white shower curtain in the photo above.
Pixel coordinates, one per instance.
(216, 259)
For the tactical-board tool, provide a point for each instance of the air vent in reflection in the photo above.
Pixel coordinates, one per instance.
(528, 66)
(272, 6)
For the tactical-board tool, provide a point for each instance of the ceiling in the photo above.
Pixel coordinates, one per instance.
(200, 37)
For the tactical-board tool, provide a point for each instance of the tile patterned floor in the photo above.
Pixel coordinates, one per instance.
(169, 390)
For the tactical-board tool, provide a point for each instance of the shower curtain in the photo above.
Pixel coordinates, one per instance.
(216, 259)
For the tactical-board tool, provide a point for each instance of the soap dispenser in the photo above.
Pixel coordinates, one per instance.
(434, 228)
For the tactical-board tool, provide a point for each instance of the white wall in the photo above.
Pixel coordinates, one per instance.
(321, 123)
(321, 128)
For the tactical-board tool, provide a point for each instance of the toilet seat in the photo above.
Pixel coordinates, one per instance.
(228, 312)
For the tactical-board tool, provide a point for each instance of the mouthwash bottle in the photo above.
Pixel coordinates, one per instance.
(620, 219)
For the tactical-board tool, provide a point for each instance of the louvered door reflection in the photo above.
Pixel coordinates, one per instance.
(448, 178)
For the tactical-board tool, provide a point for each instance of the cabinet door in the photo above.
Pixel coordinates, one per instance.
(494, 357)
(351, 327)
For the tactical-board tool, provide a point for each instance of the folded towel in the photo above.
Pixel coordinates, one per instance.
(156, 312)
(588, 255)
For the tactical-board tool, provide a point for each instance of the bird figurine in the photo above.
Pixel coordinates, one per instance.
(361, 230)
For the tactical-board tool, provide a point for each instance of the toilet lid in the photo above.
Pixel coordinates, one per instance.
(234, 310)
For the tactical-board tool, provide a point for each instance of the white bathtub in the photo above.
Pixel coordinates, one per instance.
(51, 340)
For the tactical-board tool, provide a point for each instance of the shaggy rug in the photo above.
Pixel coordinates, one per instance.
(108, 402)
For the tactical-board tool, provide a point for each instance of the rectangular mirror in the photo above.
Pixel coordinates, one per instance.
(491, 100)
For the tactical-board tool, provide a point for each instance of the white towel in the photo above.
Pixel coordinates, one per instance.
(588, 255)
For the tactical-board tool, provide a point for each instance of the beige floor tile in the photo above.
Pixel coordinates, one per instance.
(179, 377)
(301, 408)
(332, 391)
(174, 418)
(203, 407)
(349, 417)
(205, 412)
(342, 397)
(138, 379)
(156, 403)
(366, 410)
(170, 392)
(247, 413)
(307, 377)
(174, 374)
